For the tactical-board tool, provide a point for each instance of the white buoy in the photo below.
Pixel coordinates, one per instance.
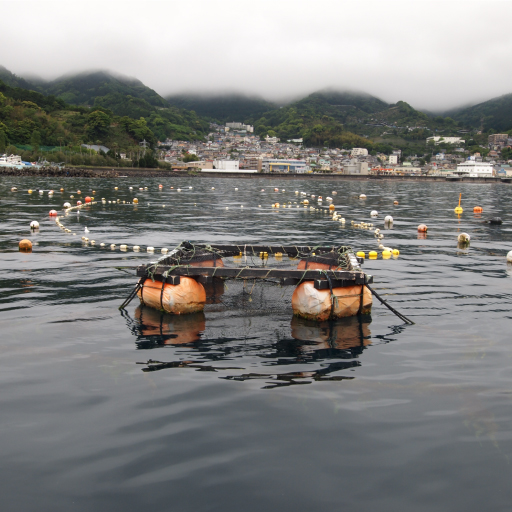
(102, 244)
(93, 242)
(136, 248)
(130, 188)
(362, 196)
(213, 188)
(236, 189)
(14, 189)
(150, 249)
(86, 229)
(509, 256)
(190, 188)
(374, 213)
(164, 250)
(463, 238)
(112, 246)
(388, 219)
(34, 224)
(123, 247)
(67, 205)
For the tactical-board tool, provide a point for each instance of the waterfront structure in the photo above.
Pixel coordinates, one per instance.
(226, 165)
(474, 169)
(283, 165)
(359, 152)
(355, 167)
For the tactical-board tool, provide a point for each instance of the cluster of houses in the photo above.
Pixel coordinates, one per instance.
(235, 148)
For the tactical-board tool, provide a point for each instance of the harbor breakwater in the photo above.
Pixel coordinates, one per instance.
(123, 172)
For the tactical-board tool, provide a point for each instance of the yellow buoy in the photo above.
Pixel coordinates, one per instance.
(373, 255)
(386, 255)
(396, 252)
(361, 254)
(458, 209)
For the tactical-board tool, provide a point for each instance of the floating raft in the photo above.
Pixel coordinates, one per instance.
(329, 280)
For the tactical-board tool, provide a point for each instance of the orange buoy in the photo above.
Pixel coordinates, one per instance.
(79, 203)
(87, 199)
(25, 245)
(160, 186)
(53, 213)
(313, 304)
(395, 202)
(62, 190)
(332, 207)
(422, 228)
(187, 297)
(78, 192)
(478, 209)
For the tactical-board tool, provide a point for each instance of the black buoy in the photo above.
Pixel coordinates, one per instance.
(495, 220)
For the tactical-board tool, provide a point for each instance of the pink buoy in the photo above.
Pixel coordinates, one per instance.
(79, 203)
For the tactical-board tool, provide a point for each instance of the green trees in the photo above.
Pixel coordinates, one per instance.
(98, 124)
(190, 157)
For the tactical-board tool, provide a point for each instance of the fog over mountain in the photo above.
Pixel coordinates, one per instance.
(433, 55)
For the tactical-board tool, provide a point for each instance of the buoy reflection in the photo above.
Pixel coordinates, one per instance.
(323, 351)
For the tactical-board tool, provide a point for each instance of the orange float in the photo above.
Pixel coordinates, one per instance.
(181, 299)
(87, 199)
(422, 228)
(78, 191)
(395, 202)
(53, 213)
(25, 245)
(313, 304)
(478, 209)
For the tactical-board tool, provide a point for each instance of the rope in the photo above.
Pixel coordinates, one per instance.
(399, 315)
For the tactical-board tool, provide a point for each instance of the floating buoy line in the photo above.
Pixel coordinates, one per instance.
(386, 252)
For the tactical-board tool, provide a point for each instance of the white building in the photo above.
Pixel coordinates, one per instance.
(239, 126)
(393, 159)
(359, 152)
(474, 169)
(226, 165)
(355, 167)
(446, 140)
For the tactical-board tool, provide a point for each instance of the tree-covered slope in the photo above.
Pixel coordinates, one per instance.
(85, 88)
(494, 114)
(13, 80)
(222, 108)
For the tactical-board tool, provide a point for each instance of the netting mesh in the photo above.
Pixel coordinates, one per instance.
(249, 297)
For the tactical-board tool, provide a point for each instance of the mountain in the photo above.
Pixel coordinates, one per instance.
(222, 108)
(13, 80)
(89, 88)
(341, 118)
(494, 114)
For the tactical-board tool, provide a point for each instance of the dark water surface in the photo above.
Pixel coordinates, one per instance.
(269, 413)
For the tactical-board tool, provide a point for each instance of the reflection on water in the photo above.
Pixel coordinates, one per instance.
(334, 345)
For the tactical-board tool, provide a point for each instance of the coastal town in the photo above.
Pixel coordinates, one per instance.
(234, 148)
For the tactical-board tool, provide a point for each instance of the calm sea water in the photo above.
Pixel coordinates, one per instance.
(270, 413)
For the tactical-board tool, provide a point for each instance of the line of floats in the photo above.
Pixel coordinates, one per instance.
(463, 239)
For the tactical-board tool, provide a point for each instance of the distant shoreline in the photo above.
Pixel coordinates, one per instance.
(104, 172)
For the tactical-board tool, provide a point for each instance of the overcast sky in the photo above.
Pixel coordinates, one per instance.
(433, 55)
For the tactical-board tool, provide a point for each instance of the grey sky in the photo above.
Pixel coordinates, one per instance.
(431, 54)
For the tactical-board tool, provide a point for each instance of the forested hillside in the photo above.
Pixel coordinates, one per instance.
(222, 108)
(495, 115)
